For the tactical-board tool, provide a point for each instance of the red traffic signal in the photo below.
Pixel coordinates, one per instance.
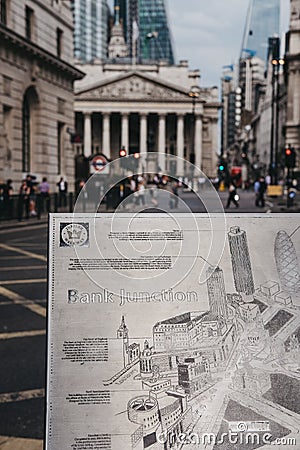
(136, 155)
(122, 152)
(290, 157)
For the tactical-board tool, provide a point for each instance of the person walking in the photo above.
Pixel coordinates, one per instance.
(23, 200)
(233, 196)
(141, 193)
(260, 192)
(62, 191)
(44, 196)
(7, 198)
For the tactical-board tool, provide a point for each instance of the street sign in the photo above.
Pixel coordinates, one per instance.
(99, 164)
(274, 190)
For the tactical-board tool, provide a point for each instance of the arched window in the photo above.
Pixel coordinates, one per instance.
(29, 111)
(26, 135)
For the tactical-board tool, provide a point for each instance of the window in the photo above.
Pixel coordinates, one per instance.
(29, 15)
(29, 127)
(3, 12)
(59, 35)
(26, 135)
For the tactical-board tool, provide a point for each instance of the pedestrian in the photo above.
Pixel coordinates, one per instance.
(23, 200)
(141, 193)
(233, 196)
(153, 195)
(62, 191)
(260, 192)
(175, 192)
(44, 196)
(7, 194)
(31, 198)
(2, 189)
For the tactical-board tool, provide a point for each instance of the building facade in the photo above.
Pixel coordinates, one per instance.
(36, 89)
(292, 59)
(193, 374)
(147, 108)
(216, 292)
(154, 33)
(154, 41)
(263, 21)
(90, 29)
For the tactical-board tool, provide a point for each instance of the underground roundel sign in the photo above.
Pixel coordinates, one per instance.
(99, 164)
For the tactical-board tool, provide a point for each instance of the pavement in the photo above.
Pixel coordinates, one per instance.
(189, 201)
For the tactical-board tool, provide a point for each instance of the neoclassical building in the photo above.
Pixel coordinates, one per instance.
(36, 90)
(147, 108)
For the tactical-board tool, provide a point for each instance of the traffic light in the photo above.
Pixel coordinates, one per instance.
(222, 168)
(75, 138)
(122, 156)
(289, 157)
(122, 152)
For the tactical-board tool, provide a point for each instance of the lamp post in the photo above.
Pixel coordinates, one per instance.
(194, 94)
(276, 64)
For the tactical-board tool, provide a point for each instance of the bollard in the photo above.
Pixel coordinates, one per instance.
(71, 204)
(55, 202)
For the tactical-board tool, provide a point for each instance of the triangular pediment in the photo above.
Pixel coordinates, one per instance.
(133, 86)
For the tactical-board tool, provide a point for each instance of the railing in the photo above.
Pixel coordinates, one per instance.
(20, 208)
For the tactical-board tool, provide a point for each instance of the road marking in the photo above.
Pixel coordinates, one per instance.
(21, 334)
(22, 228)
(22, 395)
(23, 252)
(9, 269)
(10, 443)
(24, 281)
(19, 300)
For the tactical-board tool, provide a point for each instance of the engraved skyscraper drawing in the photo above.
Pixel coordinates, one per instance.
(240, 260)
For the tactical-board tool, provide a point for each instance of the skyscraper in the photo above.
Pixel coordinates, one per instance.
(154, 33)
(287, 263)
(216, 291)
(240, 260)
(154, 36)
(90, 29)
(263, 21)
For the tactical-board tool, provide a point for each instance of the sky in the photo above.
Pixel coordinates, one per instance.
(209, 33)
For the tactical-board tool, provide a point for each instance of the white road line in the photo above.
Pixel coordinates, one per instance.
(22, 395)
(23, 252)
(23, 228)
(9, 269)
(10, 443)
(24, 281)
(18, 299)
(25, 302)
(21, 334)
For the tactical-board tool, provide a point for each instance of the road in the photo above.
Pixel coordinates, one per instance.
(23, 273)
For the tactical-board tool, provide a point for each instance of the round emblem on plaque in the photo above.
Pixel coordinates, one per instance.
(74, 234)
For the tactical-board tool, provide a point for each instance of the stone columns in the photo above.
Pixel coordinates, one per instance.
(143, 139)
(125, 131)
(161, 141)
(87, 135)
(198, 141)
(106, 135)
(180, 145)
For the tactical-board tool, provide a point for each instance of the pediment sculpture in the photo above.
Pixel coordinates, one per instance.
(135, 88)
